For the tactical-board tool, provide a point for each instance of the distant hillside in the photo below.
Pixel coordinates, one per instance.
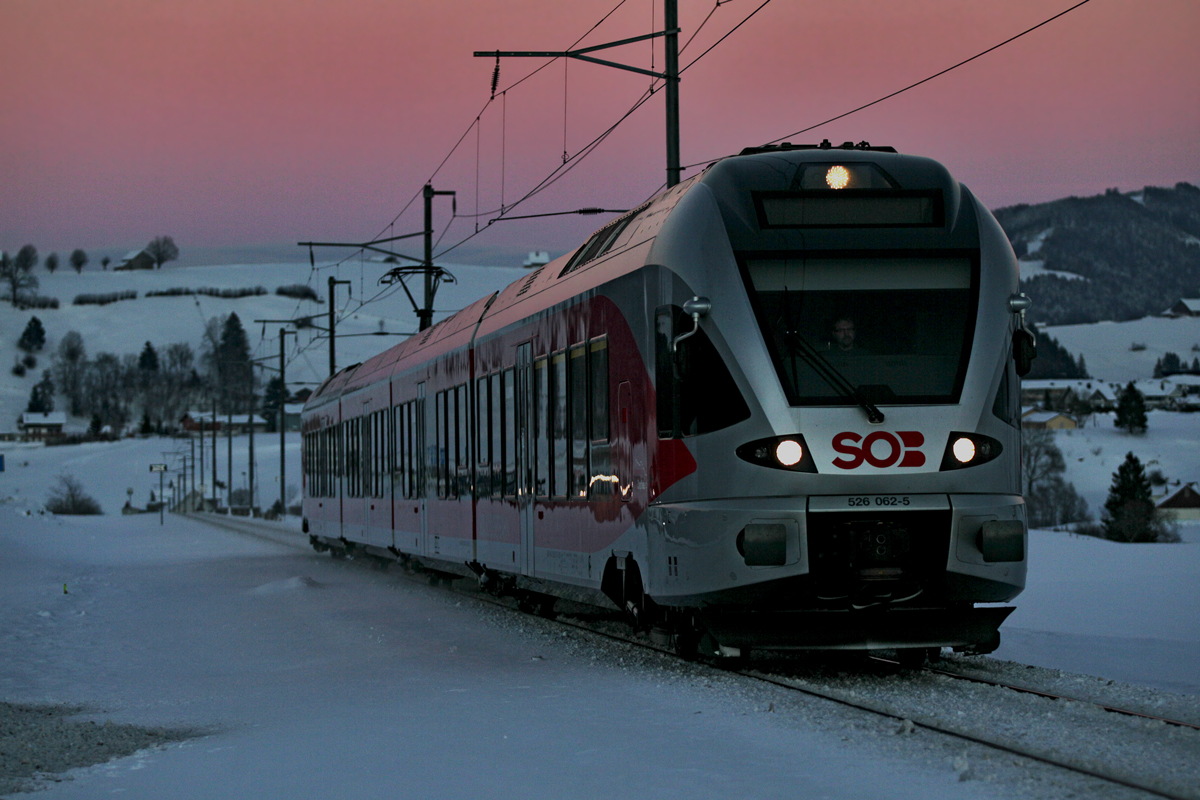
(1128, 255)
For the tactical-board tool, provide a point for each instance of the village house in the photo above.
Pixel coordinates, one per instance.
(1160, 393)
(195, 422)
(38, 426)
(1184, 307)
(135, 259)
(1038, 419)
(1183, 504)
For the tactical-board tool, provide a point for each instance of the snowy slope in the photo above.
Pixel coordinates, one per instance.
(1105, 346)
(125, 326)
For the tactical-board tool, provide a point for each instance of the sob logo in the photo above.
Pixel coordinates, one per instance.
(879, 449)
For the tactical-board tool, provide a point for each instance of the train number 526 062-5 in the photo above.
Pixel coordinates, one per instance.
(877, 501)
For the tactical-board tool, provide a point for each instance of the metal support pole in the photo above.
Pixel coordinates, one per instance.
(201, 443)
(671, 44)
(250, 420)
(229, 461)
(425, 313)
(162, 501)
(214, 458)
(332, 327)
(282, 422)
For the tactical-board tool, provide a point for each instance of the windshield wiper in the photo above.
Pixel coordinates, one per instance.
(828, 373)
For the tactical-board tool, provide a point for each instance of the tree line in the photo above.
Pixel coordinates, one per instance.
(16, 272)
(157, 385)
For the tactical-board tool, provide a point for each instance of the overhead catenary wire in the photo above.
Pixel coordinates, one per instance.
(911, 85)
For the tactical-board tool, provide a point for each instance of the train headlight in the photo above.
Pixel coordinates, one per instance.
(969, 450)
(789, 452)
(838, 177)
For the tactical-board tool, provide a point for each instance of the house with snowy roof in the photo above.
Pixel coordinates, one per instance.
(1160, 393)
(136, 259)
(37, 426)
(202, 422)
(1184, 307)
(1183, 504)
(1039, 419)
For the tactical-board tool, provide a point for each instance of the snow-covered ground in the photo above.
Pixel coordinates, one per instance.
(1031, 269)
(1106, 346)
(316, 678)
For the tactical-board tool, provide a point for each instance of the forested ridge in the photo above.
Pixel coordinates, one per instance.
(1138, 257)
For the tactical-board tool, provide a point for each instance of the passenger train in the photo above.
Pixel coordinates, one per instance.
(776, 406)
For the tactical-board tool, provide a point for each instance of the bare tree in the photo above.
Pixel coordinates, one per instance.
(162, 249)
(27, 258)
(15, 273)
(70, 363)
(104, 262)
(1040, 458)
(79, 260)
(51, 263)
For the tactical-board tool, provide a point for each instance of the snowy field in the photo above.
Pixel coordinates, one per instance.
(1105, 346)
(312, 678)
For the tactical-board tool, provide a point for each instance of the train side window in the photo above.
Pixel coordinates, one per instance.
(1007, 404)
(483, 437)
(510, 434)
(439, 405)
(463, 479)
(558, 413)
(695, 391)
(496, 397)
(600, 484)
(541, 427)
(578, 399)
(403, 449)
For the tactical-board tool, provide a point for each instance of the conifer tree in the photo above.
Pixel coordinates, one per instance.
(41, 398)
(34, 336)
(148, 360)
(1129, 512)
(235, 374)
(1131, 410)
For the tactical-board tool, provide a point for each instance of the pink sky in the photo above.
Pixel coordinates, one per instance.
(233, 124)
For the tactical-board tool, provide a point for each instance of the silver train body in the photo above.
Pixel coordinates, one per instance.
(774, 407)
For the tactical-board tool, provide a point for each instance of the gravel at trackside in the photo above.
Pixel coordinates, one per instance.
(38, 742)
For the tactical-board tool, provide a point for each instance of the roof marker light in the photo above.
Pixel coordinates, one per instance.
(838, 177)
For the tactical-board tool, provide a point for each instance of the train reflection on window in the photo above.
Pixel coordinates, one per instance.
(563, 406)
(899, 329)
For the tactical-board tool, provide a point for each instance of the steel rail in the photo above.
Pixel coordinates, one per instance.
(1016, 687)
(240, 525)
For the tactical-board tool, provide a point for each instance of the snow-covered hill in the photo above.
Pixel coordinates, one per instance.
(1107, 347)
(125, 326)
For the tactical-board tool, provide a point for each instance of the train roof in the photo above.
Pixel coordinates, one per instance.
(770, 167)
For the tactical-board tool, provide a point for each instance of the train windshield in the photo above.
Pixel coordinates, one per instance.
(897, 329)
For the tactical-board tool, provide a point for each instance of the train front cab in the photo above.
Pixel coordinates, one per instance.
(830, 529)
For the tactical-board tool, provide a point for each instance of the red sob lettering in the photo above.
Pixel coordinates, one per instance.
(880, 449)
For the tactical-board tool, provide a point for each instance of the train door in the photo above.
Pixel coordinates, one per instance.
(423, 465)
(624, 440)
(377, 467)
(523, 429)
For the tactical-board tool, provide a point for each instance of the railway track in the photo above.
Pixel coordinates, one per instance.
(1135, 749)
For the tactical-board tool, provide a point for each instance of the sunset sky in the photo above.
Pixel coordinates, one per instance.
(244, 126)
